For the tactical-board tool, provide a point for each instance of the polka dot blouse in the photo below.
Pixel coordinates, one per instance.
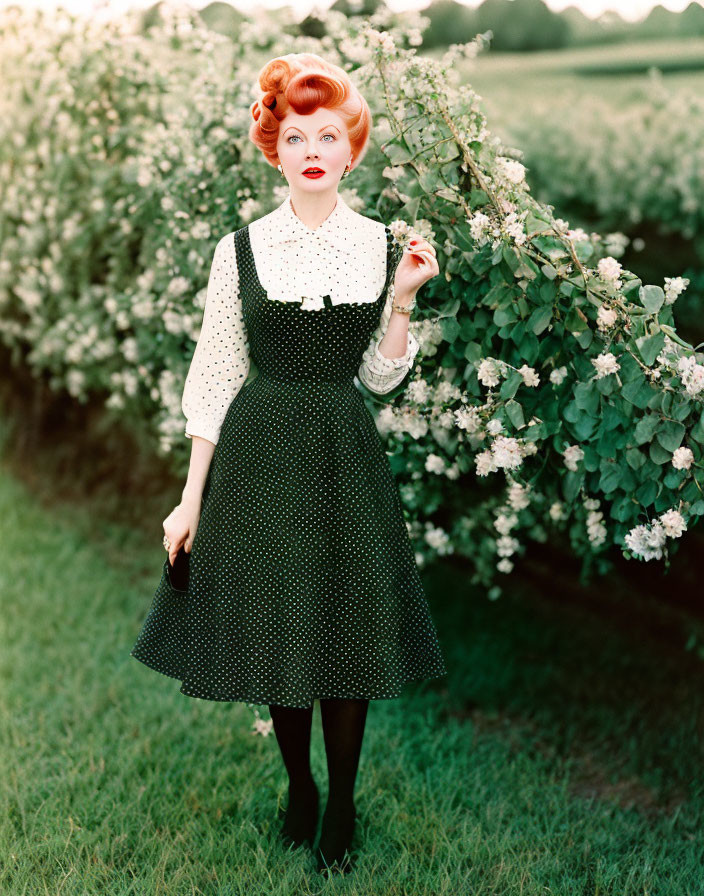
(344, 257)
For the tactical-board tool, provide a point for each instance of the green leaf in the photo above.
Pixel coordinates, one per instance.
(540, 319)
(584, 339)
(510, 385)
(647, 493)
(571, 484)
(450, 328)
(509, 256)
(652, 297)
(473, 351)
(585, 426)
(572, 412)
(503, 316)
(515, 413)
(645, 428)
(587, 397)
(697, 431)
(574, 323)
(638, 392)
(635, 458)
(670, 435)
(623, 508)
(658, 454)
(610, 477)
(650, 346)
(549, 270)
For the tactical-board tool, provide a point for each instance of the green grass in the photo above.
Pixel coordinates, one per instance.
(561, 756)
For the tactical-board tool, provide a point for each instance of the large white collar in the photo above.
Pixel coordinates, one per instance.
(283, 226)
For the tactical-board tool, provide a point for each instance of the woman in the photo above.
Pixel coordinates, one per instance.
(302, 582)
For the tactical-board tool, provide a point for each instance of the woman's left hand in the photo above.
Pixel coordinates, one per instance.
(418, 265)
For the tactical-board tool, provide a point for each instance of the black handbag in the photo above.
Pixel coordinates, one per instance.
(178, 571)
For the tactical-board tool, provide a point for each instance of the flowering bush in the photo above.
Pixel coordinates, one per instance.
(552, 393)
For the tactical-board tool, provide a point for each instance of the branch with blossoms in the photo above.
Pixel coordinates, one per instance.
(594, 402)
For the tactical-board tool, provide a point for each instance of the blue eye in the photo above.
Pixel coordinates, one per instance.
(296, 135)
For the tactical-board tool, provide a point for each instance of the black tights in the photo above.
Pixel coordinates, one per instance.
(343, 729)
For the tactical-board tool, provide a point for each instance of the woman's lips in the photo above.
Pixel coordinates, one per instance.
(318, 173)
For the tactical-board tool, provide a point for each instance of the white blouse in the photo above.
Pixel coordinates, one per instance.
(344, 257)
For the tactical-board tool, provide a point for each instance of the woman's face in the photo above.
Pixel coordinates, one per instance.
(318, 140)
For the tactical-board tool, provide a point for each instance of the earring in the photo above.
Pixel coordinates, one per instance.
(281, 170)
(346, 171)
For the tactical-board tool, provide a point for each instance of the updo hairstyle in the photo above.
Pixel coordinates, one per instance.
(303, 82)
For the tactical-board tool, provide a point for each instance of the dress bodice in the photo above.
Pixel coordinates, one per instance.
(290, 343)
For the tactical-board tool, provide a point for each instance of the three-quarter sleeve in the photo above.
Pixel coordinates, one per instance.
(378, 373)
(220, 362)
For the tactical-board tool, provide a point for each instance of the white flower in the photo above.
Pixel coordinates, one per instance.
(647, 541)
(446, 391)
(517, 495)
(393, 172)
(438, 539)
(418, 391)
(507, 452)
(692, 375)
(512, 170)
(673, 523)
(530, 377)
(605, 363)
(596, 529)
(572, 455)
(479, 223)
(485, 463)
(467, 418)
(606, 317)
(434, 464)
(683, 458)
(610, 270)
(557, 375)
(514, 227)
(488, 372)
(674, 286)
(263, 726)
(557, 510)
(615, 243)
(506, 545)
(494, 427)
(178, 286)
(504, 565)
(504, 523)
(577, 234)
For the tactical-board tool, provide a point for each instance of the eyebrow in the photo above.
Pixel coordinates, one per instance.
(322, 129)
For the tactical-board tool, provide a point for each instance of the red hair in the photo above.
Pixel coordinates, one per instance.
(304, 82)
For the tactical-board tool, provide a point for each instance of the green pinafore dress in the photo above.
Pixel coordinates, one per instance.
(303, 582)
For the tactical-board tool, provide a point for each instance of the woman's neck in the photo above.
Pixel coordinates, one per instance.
(314, 208)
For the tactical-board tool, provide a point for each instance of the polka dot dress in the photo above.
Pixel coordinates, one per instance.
(303, 582)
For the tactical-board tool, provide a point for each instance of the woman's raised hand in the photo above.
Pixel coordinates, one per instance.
(417, 266)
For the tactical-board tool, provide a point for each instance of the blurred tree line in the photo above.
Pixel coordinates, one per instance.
(518, 25)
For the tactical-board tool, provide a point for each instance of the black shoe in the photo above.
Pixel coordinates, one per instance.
(301, 828)
(334, 851)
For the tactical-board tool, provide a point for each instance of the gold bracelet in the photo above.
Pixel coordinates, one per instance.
(404, 309)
